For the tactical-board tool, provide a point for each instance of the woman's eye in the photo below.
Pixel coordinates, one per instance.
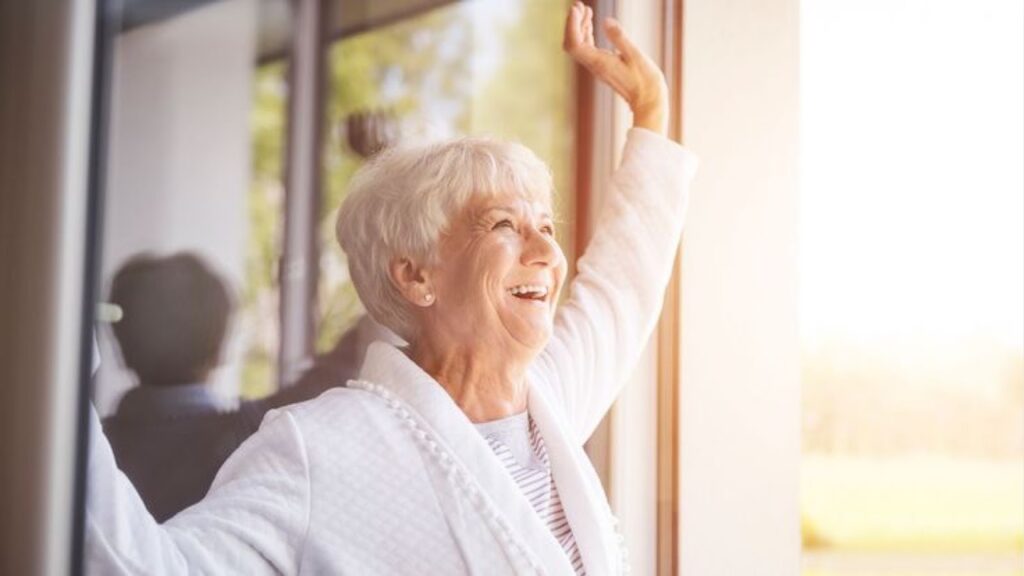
(506, 223)
(548, 229)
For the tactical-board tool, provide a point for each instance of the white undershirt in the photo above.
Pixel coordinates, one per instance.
(518, 444)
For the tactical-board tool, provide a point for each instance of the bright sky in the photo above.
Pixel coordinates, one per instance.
(912, 138)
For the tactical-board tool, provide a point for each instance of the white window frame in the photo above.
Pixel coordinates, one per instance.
(714, 406)
(740, 382)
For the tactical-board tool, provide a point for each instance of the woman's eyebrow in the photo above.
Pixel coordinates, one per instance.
(501, 208)
(513, 210)
(487, 211)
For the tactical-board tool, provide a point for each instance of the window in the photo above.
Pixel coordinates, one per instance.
(179, 165)
(912, 275)
(259, 318)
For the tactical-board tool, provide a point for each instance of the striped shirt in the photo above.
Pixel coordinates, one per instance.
(517, 442)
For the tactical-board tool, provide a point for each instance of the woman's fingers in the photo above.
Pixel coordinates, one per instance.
(628, 71)
(588, 25)
(579, 40)
(616, 68)
(575, 32)
(618, 36)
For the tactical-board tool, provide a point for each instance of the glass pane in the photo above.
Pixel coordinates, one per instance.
(912, 264)
(191, 226)
(259, 315)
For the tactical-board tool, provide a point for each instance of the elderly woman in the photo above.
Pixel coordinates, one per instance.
(461, 453)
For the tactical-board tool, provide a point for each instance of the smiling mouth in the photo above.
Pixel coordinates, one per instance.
(532, 292)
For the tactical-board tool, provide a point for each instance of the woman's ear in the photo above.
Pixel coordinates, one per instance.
(412, 281)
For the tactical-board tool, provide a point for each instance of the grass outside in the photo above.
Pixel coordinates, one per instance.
(817, 563)
(912, 516)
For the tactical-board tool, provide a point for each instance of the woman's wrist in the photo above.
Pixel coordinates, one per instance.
(653, 120)
(653, 115)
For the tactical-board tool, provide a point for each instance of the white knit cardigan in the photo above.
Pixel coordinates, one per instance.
(388, 476)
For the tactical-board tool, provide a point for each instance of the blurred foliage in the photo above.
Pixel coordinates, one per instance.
(259, 305)
(266, 190)
(531, 98)
(403, 69)
(958, 397)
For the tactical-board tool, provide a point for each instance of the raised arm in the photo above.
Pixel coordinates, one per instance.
(616, 297)
(252, 521)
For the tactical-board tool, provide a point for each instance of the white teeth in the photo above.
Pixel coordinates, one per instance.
(540, 291)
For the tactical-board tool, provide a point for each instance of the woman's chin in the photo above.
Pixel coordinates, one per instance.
(529, 326)
(534, 338)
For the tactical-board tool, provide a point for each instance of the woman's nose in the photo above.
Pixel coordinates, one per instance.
(541, 249)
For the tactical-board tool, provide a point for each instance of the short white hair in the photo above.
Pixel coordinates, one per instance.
(403, 199)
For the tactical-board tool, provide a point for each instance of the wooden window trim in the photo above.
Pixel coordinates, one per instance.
(669, 328)
(670, 325)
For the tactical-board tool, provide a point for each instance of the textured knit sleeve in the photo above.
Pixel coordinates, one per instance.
(615, 299)
(252, 521)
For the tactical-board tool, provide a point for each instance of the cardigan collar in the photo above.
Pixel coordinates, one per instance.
(579, 488)
(390, 368)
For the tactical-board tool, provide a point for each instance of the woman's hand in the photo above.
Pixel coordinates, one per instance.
(630, 72)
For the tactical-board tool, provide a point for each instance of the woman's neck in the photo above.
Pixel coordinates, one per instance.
(485, 386)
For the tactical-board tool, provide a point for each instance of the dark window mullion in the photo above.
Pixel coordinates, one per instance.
(298, 269)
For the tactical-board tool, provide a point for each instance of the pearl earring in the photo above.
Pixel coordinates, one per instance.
(428, 297)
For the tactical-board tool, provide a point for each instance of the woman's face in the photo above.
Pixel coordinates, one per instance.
(499, 274)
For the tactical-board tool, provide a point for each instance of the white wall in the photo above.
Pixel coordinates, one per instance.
(740, 395)
(178, 166)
